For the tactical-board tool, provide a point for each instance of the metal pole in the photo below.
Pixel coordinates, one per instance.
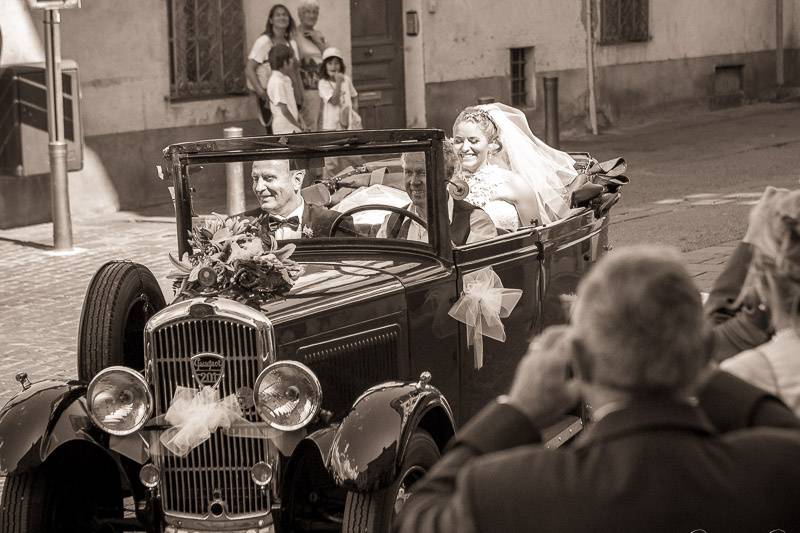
(552, 135)
(590, 67)
(234, 175)
(779, 45)
(59, 184)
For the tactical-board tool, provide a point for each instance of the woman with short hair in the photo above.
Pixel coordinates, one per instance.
(311, 44)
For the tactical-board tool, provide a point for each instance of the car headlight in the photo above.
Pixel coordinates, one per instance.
(287, 395)
(119, 400)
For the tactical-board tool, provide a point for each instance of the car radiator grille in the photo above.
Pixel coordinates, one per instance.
(218, 469)
(346, 367)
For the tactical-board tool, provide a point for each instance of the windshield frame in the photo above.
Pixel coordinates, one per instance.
(180, 156)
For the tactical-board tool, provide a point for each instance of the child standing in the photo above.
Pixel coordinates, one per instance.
(339, 97)
(282, 103)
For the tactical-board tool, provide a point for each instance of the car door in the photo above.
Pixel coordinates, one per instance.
(516, 259)
(546, 263)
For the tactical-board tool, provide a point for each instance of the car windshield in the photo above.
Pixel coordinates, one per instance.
(374, 196)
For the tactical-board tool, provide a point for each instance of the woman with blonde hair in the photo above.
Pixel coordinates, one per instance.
(774, 275)
(514, 176)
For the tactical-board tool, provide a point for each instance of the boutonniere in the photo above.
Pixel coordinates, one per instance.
(308, 233)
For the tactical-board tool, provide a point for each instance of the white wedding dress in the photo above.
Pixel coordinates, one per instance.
(485, 186)
(548, 174)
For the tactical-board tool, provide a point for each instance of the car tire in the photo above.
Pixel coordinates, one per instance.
(121, 298)
(374, 512)
(42, 501)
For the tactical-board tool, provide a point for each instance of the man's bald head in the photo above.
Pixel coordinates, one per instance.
(276, 186)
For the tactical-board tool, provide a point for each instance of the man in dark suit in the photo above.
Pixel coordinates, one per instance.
(650, 459)
(467, 222)
(282, 207)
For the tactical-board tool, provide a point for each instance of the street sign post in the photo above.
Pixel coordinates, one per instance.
(59, 184)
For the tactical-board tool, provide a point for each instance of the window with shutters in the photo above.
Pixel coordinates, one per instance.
(624, 21)
(206, 48)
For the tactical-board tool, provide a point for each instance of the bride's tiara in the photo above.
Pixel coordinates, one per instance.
(478, 116)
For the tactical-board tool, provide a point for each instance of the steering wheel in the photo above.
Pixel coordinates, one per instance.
(375, 207)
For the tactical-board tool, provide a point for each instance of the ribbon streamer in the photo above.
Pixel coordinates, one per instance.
(484, 301)
(195, 415)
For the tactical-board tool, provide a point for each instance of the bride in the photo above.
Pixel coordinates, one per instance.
(515, 177)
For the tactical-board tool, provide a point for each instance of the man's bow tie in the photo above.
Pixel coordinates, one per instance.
(276, 223)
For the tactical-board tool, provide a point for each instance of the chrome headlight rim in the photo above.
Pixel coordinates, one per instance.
(137, 377)
(312, 377)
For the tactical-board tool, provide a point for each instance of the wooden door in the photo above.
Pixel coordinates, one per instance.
(376, 30)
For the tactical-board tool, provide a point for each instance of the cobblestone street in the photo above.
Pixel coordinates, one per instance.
(42, 291)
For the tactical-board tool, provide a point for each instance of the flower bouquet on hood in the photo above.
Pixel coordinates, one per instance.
(236, 258)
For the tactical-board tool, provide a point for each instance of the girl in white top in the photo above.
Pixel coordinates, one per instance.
(337, 93)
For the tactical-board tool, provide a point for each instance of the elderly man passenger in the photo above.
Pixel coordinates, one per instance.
(649, 461)
(282, 206)
(467, 223)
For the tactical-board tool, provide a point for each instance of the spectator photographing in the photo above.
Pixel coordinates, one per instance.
(280, 30)
(774, 277)
(650, 460)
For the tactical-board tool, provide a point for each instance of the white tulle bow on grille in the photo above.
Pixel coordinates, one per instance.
(484, 301)
(195, 415)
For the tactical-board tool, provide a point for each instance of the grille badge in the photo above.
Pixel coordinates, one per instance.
(208, 369)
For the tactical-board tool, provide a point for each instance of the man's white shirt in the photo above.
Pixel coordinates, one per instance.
(415, 231)
(285, 232)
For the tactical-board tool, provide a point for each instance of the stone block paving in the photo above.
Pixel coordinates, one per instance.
(42, 291)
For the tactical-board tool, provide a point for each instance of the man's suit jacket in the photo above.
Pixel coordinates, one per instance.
(652, 466)
(318, 219)
(469, 224)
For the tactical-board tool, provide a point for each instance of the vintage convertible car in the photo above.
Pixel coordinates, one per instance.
(347, 382)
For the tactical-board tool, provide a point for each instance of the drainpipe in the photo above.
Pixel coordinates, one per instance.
(779, 46)
(590, 67)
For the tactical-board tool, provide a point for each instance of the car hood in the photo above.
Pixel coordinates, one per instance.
(326, 284)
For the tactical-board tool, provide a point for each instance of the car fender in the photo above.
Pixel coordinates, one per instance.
(364, 452)
(40, 419)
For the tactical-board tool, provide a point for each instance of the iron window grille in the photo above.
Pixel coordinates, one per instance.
(206, 48)
(624, 21)
(519, 84)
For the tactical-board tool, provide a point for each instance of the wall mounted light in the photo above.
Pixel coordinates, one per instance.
(412, 23)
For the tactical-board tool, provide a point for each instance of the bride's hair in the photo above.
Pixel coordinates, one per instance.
(483, 120)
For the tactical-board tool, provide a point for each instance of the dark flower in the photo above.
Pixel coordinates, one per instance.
(247, 275)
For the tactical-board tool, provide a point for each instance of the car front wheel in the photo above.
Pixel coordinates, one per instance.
(43, 501)
(374, 512)
(121, 298)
